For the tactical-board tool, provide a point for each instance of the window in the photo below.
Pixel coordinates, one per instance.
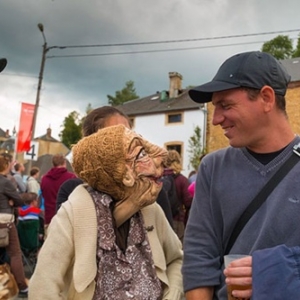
(174, 118)
(174, 146)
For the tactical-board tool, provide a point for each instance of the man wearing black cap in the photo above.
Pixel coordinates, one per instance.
(248, 94)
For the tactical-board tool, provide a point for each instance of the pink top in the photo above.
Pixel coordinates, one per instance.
(191, 188)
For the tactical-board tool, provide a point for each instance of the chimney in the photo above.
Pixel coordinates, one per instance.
(49, 131)
(7, 133)
(175, 84)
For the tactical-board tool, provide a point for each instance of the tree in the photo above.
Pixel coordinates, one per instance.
(71, 132)
(297, 50)
(280, 47)
(195, 148)
(126, 94)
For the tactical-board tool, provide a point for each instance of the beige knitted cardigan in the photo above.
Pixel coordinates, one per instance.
(66, 265)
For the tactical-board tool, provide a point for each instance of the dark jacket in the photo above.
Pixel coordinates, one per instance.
(163, 201)
(65, 190)
(50, 185)
(275, 273)
(8, 192)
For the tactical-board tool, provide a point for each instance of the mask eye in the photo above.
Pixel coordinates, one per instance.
(141, 154)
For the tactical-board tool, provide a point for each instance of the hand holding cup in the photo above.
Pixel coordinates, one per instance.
(238, 272)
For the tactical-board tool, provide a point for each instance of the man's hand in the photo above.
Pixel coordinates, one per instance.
(239, 272)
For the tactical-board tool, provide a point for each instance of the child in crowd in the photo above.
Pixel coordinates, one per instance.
(31, 211)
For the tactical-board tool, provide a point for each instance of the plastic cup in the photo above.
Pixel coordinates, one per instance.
(227, 260)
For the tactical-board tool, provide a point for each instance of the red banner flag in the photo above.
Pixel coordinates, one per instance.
(25, 127)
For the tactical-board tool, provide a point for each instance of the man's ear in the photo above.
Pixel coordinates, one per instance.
(268, 96)
(128, 179)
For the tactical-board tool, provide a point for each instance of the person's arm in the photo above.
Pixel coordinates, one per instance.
(12, 194)
(202, 270)
(203, 293)
(239, 272)
(275, 273)
(20, 183)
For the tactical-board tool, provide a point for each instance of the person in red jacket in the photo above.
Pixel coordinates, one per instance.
(51, 183)
(174, 168)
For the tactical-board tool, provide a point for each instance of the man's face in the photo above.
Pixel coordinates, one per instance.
(144, 167)
(243, 120)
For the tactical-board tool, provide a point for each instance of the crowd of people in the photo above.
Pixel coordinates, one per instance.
(127, 224)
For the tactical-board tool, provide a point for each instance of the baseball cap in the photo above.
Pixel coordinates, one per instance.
(3, 63)
(249, 69)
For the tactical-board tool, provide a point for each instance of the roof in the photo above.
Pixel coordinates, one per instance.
(9, 144)
(292, 65)
(158, 103)
(2, 133)
(46, 137)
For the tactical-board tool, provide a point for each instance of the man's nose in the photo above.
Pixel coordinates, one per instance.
(218, 116)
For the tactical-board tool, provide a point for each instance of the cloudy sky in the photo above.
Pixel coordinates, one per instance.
(206, 31)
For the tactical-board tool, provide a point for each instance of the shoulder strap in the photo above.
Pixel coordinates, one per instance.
(261, 197)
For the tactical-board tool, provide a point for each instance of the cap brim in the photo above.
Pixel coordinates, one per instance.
(3, 63)
(203, 93)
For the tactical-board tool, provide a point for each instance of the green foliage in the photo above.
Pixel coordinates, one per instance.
(195, 148)
(297, 50)
(71, 132)
(280, 47)
(126, 94)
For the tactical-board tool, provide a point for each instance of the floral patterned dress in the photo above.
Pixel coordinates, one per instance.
(128, 274)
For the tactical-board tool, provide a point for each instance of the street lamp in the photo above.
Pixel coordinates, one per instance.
(37, 101)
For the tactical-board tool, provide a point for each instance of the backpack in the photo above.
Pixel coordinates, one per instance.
(170, 188)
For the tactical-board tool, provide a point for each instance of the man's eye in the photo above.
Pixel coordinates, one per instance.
(141, 154)
(225, 106)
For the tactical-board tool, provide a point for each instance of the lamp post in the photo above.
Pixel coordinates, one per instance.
(37, 101)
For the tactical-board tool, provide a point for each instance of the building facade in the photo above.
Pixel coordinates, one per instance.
(168, 118)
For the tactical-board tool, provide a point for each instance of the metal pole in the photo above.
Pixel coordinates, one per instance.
(37, 101)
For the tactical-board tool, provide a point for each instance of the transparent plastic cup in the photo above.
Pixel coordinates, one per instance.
(227, 260)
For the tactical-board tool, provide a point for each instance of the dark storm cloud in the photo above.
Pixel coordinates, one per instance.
(75, 82)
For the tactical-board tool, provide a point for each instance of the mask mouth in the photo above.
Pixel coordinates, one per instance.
(157, 180)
